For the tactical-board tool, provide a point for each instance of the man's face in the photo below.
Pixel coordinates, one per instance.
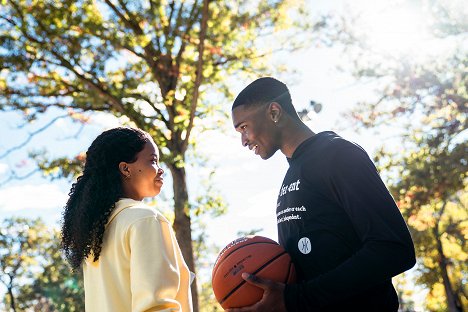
(257, 129)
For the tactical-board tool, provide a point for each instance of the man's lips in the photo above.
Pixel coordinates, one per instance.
(254, 147)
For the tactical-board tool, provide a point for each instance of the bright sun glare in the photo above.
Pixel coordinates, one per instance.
(395, 28)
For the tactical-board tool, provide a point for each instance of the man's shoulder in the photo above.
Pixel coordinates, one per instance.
(333, 142)
(328, 142)
(327, 150)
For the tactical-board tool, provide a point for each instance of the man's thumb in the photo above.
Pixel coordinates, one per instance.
(255, 280)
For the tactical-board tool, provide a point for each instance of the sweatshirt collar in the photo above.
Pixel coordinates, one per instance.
(122, 204)
(303, 146)
(299, 150)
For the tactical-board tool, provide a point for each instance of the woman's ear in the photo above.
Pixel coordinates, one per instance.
(124, 170)
(275, 111)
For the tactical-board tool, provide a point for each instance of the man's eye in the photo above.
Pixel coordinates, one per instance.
(243, 127)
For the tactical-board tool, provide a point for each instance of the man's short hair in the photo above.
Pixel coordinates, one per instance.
(263, 91)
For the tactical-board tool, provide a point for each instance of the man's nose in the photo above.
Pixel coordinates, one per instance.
(244, 140)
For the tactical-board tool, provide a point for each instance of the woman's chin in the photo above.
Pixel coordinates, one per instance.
(157, 191)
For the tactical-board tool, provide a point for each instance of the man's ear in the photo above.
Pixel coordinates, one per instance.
(123, 168)
(275, 111)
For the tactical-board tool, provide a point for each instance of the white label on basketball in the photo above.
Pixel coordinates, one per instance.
(304, 245)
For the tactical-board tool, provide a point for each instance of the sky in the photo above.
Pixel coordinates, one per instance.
(249, 184)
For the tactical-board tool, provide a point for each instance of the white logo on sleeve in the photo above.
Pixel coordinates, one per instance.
(304, 245)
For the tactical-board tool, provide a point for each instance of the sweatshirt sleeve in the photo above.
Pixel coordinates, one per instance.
(386, 245)
(155, 266)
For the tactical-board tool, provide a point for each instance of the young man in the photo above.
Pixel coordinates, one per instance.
(335, 216)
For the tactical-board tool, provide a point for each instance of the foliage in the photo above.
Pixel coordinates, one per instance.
(209, 301)
(159, 65)
(205, 252)
(135, 59)
(20, 249)
(55, 285)
(423, 103)
(404, 292)
(431, 192)
(33, 269)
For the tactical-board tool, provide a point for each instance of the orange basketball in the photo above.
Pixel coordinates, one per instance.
(256, 255)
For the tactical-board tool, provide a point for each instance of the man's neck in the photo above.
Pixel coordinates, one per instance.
(293, 136)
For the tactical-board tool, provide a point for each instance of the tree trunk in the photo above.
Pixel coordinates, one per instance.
(12, 299)
(182, 224)
(452, 302)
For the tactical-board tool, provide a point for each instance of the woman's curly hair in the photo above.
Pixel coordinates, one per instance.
(92, 198)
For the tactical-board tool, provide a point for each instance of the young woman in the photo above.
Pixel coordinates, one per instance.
(128, 252)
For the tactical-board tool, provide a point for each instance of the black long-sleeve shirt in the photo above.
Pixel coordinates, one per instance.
(342, 229)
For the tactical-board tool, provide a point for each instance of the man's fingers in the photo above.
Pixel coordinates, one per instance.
(255, 280)
(244, 309)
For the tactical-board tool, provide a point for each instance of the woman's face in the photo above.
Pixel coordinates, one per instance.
(143, 178)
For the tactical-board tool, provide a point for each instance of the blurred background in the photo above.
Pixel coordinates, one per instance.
(388, 75)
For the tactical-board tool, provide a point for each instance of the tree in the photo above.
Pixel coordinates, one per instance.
(431, 191)
(55, 287)
(404, 293)
(34, 270)
(158, 65)
(20, 251)
(423, 104)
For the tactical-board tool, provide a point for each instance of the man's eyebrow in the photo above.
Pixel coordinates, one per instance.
(237, 124)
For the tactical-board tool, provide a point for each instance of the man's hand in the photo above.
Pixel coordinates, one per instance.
(272, 300)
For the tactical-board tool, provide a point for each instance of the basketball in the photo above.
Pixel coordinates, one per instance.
(256, 255)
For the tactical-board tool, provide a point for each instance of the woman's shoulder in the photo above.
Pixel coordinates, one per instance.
(130, 211)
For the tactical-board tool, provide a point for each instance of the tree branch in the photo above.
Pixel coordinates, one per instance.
(36, 94)
(9, 21)
(95, 85)
(179, 18)
(185, 37)
(153, 8)
(18, 10)
(438, 217)
(66, 64)
(31, 135)
(151, 55)
(167, 29)
(129, 23)
(228, 59)
(140, 96)
(77, 134)
(199, 72)
(14, 176)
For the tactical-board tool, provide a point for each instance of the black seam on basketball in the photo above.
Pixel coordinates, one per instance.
(270, 243)
(255, 272)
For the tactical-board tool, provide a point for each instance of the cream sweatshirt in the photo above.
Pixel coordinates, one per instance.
(140, 267)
